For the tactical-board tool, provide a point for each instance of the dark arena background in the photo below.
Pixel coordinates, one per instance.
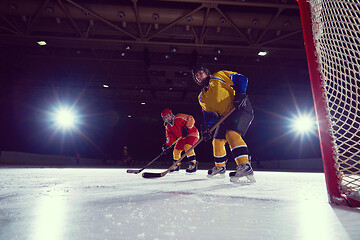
(118, 64)
(80, 80)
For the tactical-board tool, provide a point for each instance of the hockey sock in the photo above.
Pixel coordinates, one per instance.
(191, 159)
(219, 152)
(187, 147)
(177, 155)
(238, 147)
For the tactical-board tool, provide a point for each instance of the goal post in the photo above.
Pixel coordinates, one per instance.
(331, 30)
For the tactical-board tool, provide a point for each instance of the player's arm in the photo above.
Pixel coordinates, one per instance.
(210, 118)
(190, 121)
(170, 139)
(239, 85)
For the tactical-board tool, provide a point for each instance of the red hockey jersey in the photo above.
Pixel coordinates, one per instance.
(173, 132)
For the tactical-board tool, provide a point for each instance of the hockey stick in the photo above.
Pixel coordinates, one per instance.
(136, 171)
(157, 175)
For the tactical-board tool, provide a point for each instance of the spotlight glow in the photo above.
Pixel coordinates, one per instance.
(303, 124)
(64, 118)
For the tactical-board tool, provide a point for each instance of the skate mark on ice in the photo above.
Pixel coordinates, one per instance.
(192, 180)
(7, 195)
(221, 196)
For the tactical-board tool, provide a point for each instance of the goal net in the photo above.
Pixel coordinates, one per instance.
(331, 31)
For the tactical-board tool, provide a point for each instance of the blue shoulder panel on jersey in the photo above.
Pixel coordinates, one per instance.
(240, 82)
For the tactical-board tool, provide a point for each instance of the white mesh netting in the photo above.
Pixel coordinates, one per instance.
(336, 30)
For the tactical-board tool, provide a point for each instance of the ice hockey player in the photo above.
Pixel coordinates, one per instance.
(221, 92)
(181, 125)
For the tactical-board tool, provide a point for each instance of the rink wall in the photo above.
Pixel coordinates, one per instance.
(309, 164)
(21, 158)
(32, 159)
(313, 164)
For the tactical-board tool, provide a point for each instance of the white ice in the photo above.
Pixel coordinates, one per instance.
(63, 203)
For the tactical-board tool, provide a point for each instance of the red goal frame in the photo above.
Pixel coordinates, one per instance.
(326, 146)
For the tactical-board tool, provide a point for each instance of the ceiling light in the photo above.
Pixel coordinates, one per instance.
(105, 85)
(50, 10)
(12, 7)
(255, 22)
(85, 13)
(155, 16)
(41, 43)
(121, 14)
(222, 20)
(127, 46)
(189, 18)
(218, 51)
(262, 53)
(142, 103)
(173, 49)
(287, 24)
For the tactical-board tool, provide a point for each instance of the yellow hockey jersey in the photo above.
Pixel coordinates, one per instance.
(218, 97)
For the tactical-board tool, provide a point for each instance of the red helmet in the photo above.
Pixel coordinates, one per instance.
(165, 111)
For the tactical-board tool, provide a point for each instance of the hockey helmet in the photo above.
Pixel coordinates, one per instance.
(165, 112)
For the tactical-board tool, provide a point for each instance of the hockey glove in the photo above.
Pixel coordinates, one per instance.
(207, 135)
(184, 131)
(240, 100)
(164, 147)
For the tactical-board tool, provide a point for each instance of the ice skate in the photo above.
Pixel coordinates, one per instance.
(243, 174)
(217, 172)
(192, 168)
(175, 169)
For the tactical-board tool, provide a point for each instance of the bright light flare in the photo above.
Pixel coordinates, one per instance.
(64, 118)
(303, 124)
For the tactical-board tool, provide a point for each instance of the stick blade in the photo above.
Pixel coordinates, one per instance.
(151, 175)
(136, 171)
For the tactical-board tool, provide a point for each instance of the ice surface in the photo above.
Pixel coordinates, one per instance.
(58, 204)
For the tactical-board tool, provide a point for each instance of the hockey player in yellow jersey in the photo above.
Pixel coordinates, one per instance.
(221, 92)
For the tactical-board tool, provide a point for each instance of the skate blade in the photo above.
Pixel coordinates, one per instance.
(216, 176)
(245, 179)
(190, 173)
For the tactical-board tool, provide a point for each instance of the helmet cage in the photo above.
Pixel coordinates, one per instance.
(164, 113)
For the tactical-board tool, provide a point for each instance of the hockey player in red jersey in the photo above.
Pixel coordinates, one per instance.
(181, 125)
